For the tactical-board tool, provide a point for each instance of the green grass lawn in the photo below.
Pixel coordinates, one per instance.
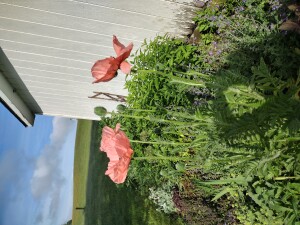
(81, 160)
(106, 203)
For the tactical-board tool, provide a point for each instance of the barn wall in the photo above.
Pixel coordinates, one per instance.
(53, 45)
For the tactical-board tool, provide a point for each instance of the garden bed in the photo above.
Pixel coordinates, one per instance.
(214, 122)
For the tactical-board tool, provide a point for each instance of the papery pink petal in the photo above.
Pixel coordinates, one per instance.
(105, 69)
(117, 147)
(125, 67)
(118, 126)
(117, 171)
(118, 47)
(125, 53)
(108, 143)
(115, 143)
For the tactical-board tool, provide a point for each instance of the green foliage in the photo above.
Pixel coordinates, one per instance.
(249, 29)
(219, 122)
(252, 119)
(156, 61)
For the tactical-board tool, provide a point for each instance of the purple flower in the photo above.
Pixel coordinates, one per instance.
(213, 18)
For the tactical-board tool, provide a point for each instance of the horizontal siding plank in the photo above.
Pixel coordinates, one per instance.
(89, 8)
(61, 102)
(118, 81)
(23, 63)
(40, 31)
(44, 58)
(48, 70)
(77, 113)
(53, 100)
(53, 52)
(66, 91)
(77, 81)
(84, 26)
(83, 108)
(28, 69)
(183, 2)
(155, 8)
(71, 84)
(70, 45)
(108, 104)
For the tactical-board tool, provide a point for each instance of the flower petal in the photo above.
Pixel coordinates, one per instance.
(118, 126)
(117, 46)
(107, 143)
(105, 69)
(117, 147)
(117, 171)
(125, 53)
(125, 67)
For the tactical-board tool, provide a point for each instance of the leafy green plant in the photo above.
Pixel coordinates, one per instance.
(220, 122)
(252, 120)
(157, 60)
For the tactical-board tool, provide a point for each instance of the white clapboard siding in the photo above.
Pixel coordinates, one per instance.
(53, 44)
(54, 52)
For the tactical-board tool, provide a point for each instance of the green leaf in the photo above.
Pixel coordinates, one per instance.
(238, 180)
(180, 167)
(223, 192)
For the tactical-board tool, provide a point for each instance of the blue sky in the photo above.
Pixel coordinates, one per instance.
(36, 170)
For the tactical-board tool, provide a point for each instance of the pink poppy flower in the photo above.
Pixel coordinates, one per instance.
(106, 69)
(117, 147)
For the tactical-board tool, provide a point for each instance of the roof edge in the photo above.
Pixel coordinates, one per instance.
(10, 98)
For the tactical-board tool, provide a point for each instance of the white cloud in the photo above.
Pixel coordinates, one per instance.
(48, 178)
(12, 167)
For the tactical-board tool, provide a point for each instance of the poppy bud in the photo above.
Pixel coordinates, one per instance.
(121, 108)
(100, 111)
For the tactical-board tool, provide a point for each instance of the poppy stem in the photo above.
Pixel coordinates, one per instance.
(159, 120)
(159, 142)
(286, 178)
(170, 158)
(141, 110)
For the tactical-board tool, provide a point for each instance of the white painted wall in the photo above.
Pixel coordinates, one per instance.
(53, 45)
